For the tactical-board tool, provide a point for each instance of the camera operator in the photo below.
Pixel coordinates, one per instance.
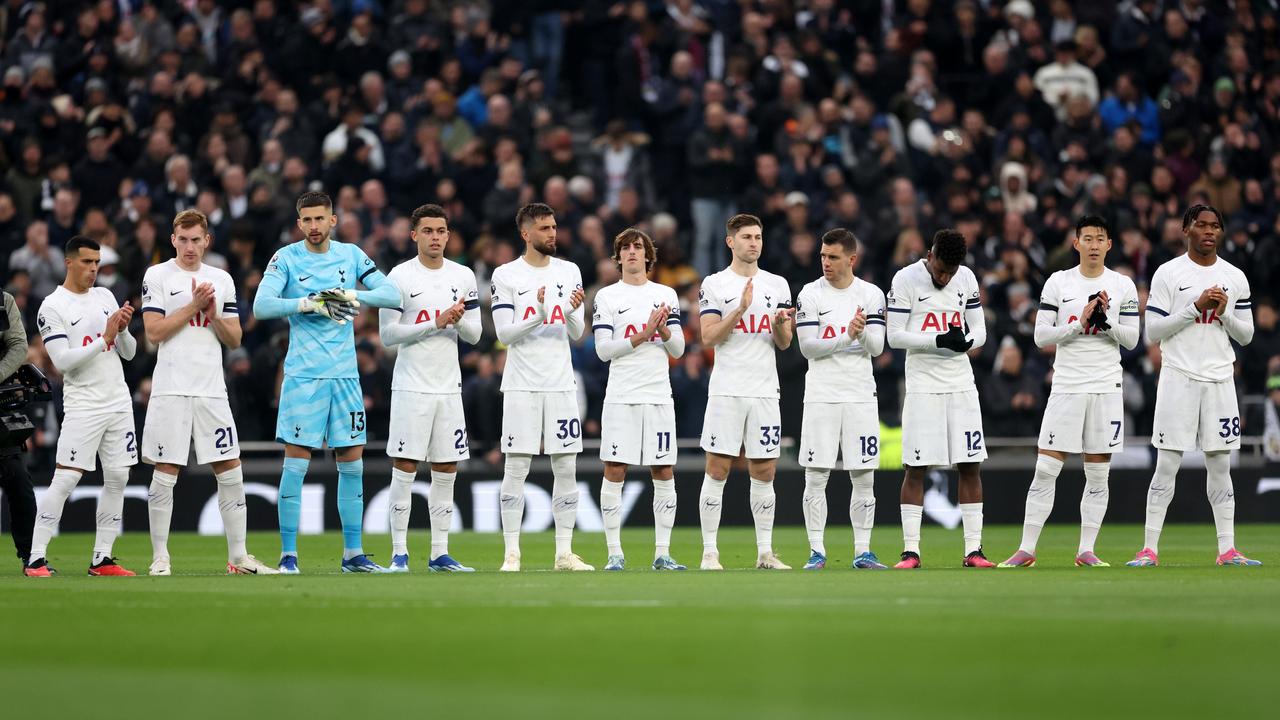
(15, 482)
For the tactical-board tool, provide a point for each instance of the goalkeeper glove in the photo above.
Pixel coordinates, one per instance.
(953, 340)
(339, 295)
(336, 310)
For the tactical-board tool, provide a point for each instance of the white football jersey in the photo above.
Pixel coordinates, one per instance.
(1089, 363)
(745, 364)
(189, 363)
(538, 362)
(430, 364)
(642, 376)
(929, 311)
(1202, 351)
(97, 385)
(845, 375)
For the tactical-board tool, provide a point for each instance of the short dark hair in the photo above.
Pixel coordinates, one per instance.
(530, 213)
(630, 235)
(1092, 221)
(313, 199)
(1194, 211)
(430, 210)
(950, 247)
(741, 220)
(842, 237)
(80, 242)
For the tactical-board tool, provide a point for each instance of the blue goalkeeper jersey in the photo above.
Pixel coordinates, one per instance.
(318, 346)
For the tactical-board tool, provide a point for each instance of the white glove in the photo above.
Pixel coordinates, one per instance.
(339, 295)
(336, 310)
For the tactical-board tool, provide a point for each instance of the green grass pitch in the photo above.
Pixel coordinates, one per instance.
(1185, 640)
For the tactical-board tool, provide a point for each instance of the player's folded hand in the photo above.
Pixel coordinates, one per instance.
(953, 340)
(338, 311)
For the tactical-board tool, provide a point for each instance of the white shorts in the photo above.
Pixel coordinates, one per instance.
(853, 429)
(943, 429)
(427, 426)
(532, 421)
(735, 423)
(85, 437)
(1091, 423)
(638, 434)
(1191, 414)
(174, 422)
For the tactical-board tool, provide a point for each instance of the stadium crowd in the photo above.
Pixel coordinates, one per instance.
(1005, 120)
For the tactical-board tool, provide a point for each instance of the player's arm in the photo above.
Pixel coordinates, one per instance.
(717, 324)
(576, 320)
(607, 346)
(381, 292)
(65, 356)
(783, 327)
(808, 329)
(160, 325)
(1161, 323)
(1047, 330)
(975, 320)
(872, 335)
(268, 304)
(225, 321)
(1126, 329)
(509, 330)
(470, 328)
(126, 344)
(671, 332)
(1237, 320)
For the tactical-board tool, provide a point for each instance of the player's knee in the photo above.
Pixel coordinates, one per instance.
(114, 479)
(173, 470)
(446, 468)
(564, 466)
(223, 467)
(662, 472)
(516, 467)
(615, 472)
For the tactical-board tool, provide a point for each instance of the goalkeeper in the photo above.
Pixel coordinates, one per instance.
(312, 283)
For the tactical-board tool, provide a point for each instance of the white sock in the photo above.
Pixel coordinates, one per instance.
(399, 506)
(1039, 500)
(235, 514)
(911, 527)
(159, 511)
(611, 510)
(862, 509)
(110, 505)
(348, 553)
(815, 507)
(763, 502)
(1093, 504)
(564, 499)
(440, 502)
(971, 518)
(710, 502)
(1222, 498)
(511, 496)
(664, 516)
(1160, 494)
(49, 512)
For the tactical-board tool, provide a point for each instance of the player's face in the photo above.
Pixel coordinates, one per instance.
(82, 268)
(190, 243)
(940, 272)
(432, 235)
(316, 223)
(1204, 232)
(747, 243)
(836, 263)
(632, 257)
(1092, 243)
(541, 234)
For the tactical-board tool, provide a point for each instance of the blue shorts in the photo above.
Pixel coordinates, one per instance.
(313, 410)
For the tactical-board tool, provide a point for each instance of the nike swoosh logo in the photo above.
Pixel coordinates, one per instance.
(1184, 288)
(1231, 441)
(224, 452)
(1114, 444)
(239, 504)
(659, 457)
(304, 278)
(730, 301)
(414, 295)
(77, 320)
(288, 497)
(47, 516)
(866, 459)
(174, 292)
(824, 312)
(974, 453)
(569, 443)
(1095, 492)
(355, 435)
(1067, 300)
(623, 310)
(924, 297)
(522, 292)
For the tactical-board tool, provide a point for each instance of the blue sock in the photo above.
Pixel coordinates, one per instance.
(289, 506)
(351, 503)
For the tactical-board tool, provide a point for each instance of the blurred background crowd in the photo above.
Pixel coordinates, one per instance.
(1005, 119)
